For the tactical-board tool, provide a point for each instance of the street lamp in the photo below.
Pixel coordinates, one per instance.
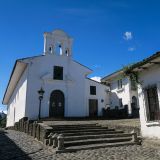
(40, 92)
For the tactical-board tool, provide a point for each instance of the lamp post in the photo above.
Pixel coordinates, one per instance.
(40, 92)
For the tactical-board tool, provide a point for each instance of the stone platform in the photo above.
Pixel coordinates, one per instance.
(126, 125)
(74, 134)
(96, 133)
(20, 146)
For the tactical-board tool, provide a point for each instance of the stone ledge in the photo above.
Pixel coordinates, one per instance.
(124, 128)
(74, 149)
(39, 130)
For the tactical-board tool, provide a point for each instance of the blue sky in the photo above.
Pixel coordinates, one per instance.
(107, 33)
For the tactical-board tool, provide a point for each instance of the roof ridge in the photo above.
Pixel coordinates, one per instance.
(137, 64)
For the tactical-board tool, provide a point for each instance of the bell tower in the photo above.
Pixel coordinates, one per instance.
(58, 43)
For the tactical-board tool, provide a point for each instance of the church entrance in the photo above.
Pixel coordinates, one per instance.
(56, 108)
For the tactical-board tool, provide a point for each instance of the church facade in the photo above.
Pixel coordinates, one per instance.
(68, 92)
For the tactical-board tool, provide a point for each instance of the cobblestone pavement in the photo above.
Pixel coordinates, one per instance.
(19, 146)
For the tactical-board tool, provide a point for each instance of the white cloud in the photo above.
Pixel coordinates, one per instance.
(128, 35)
(131, 49)
(98, 79)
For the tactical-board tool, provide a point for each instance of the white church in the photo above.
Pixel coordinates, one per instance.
(53, 85)
(67, 90)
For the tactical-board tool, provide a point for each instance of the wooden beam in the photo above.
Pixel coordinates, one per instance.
(154, 62)
(142, 67)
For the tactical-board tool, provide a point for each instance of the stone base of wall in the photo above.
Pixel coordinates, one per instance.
(33, 128)
(127, 129)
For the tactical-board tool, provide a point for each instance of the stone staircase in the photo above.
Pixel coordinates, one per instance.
(91, 136)
(68, 136)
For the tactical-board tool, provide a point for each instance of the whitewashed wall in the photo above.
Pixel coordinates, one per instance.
(101, 95)
(148, 77)
(123, 93)
(17, 101)
(73, 85)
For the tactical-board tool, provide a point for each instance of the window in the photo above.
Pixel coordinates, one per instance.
(50, 49)
(134, 102)
(119, 83)
(67, 52)
(14, 113)
(58, 73)
(120, 102)
(153, 103)
(58, 49)
(93, 90)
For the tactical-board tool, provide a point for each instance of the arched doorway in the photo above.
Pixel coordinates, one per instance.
(56, 108)
(135, 109)
(134, 101)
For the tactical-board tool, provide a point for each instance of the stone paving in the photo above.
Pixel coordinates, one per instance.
(126, 125)
(119, 122)
(20, 146)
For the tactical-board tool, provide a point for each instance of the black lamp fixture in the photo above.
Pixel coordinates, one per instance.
(41, 93)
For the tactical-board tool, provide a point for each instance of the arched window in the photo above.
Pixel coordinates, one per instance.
(58, 49)
(134, 101)
(50, 49)
(67, 52)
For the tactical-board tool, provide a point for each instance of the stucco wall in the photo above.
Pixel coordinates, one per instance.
(123, 93)
(101, 95)
(17, 102)
(148, 77)
(73, 85)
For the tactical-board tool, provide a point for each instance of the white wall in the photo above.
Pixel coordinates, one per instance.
(123, 93)
(101, 95)
(17, 101)
(76, 91)
(150, 76)
(73, 85)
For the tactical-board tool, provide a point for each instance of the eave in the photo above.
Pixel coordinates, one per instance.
(137, 67)
(111, 76)
(147, 63)
(16, 74)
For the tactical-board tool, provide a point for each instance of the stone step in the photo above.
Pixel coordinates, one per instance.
(86, 137)
(93, 133)
(90, 136)
(75, 125)
(85, 130)
(96, 141)
(77, 128)
(94, 146)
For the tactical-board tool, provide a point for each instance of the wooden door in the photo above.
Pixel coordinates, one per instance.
(153, 103)
(56, 108)
(93, 107)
